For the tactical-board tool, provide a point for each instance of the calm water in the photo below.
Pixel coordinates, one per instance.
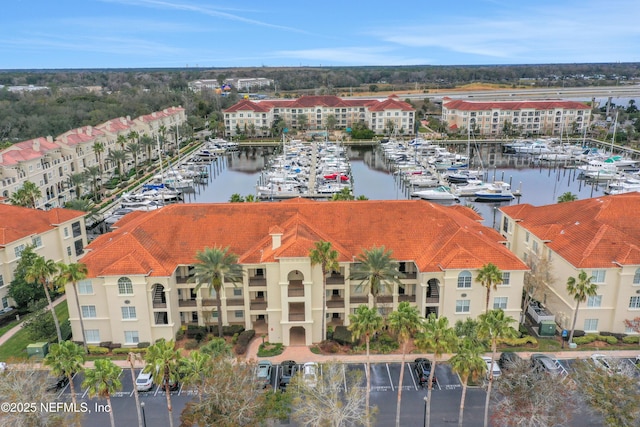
(539, 184)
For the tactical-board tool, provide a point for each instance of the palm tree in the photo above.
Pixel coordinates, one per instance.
(376, 269)
(92, 173)
(405, 322)
(489, 276)
(134, 149)
(26, 196)
(133, 136)
(194, 370)
(163, 361)
(236, 198)
(467, 363)
(121, 139)
(567, 197)
(132, 358)
(118, 157)
(102, 381)
(66, 358)
(73, 273)
(580, 289)
(76, 180)
(438, 337)
(98, 149)
(324, 255)
(41, 272)
(366, 322)
(148, 143)
(214, 265)
(163, 131)
(494, 325)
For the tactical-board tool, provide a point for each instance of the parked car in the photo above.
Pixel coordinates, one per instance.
(310, 374)
(508, 359)
(57, 383)
(6, 310)
(422, 368)
(144, 382)
(495, 369)
(173, 385)
(263, 373)
(543, 363)
(288, 369)
(603, 362)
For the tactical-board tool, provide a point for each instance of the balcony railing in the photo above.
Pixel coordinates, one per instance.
(335, 280)
(432, 300)
(187, 303)
(410, 298)
(235, 302)
(208, 302)
(359, 299)
(296, 317)
(295, 291)
(385, 298)
(182, 280)
(410, 275)
(159, 304)
(258, 305)
(257, 281)
(335, 303)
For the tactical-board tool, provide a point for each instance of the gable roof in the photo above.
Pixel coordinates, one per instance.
(19, 222)
(590, 233)
(312, 101)
(549, 104)
(414, 230)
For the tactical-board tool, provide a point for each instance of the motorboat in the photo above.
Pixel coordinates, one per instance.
(495, 192)
(441, 192)
(533, 147)
(470, 189)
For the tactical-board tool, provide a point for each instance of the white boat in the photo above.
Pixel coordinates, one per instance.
(439, 193)
(141, 205)
(470, 189)
(533, 147)
(496, 192)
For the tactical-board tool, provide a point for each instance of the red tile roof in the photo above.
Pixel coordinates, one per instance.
(434, 236)
(26, 150)
(460, 104)
(329, 101)
(18, 222)
(79, 135)
(590, 233)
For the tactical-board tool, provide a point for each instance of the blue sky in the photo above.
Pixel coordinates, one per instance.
(210, 33)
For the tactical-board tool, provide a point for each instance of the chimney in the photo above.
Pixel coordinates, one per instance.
(36, 144)
(89, 130)
(276, 236)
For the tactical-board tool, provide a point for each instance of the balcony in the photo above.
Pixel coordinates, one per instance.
(296, 317)
(384, 299)
(432, 300)
(208, 302)
(409, 298)
(159, 304)
(258, 304)
(295, 290)
(187, 303)
(335, 279)
(359, 299)
(234, 302)
(410, 275)
(257, 281)
(335, 303)
(296, 312)
(182, 280)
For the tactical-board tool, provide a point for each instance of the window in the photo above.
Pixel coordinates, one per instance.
(237, 292)
(526, 237)
(79, 247)
(534, 246)
(597, 276)
(5, 302)
(634, 302)
(18, 250)
(131, 337)
(239, 313)
(128, 313)
(69, 250)
(36, 241)
(506, 277)
(500, 302)
(77, 230)
(92, 335)
(462, 305)
(636, 277)
(464, 279)
(85, 287)
(591, 325)
(125, 287)
(1, 281)
(594, 301)
(88, 311)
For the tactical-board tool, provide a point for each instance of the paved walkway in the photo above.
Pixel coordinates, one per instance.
(11, 332)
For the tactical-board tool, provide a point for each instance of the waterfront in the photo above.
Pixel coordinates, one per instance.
(539, 184)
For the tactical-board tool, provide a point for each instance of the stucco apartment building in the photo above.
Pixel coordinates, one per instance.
(141, 284)
(378, 115)
(600, 236)
(56, 234)
(48, 162)
(545, 117)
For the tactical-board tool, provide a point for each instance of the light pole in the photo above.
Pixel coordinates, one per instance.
(144, 418)
(424, 422)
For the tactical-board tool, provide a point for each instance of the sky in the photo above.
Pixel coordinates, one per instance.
(45, 34)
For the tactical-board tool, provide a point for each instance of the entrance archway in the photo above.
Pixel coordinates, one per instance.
(297, 336)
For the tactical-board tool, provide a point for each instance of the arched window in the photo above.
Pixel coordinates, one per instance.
(125, 287)
(464, 279)
(636, 277)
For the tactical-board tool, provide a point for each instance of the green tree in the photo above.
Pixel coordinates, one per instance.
(102, 381)
(212, 267)
(98, 149)
(91, 174)
(26, 196)
(489, 276)
(66, 358)
(494, 325)
(405, 322)
(580, 289)
(194, 370)
(163, 361)
(303, 121)
(567, 197)
(134, 149)
(236, 198)
(365, 322)
(40, 326)
(331, 121)
(438, 338)
(132, 358)
(73, 273)
(375, 270)
(326, 257)
(121, 140)
(118, 157)
(21, 290)
(147, 143)
(41, 272)
(77, 180)
(343, 194)
(467, 363)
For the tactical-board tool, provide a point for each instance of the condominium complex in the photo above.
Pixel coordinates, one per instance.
(48, 162)
(600, 236)
(255, 118)
(549, 117)
(56, 234)
(141, 284)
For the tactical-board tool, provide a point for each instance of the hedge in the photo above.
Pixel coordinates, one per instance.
(631, 339)
(98, 350)
(342, 335)
(231, 330)
(518, 342)
(191, 344)
(589, 338)
(243, 341)
(128, 350)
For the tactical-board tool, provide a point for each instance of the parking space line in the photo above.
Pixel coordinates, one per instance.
(344, 377)
(157, 389)
(85, 393)
(412, 377)
(366, 371)
(180, 389)
(389, 373)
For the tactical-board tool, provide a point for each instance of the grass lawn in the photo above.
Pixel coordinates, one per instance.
(8, 326)
(16, 346)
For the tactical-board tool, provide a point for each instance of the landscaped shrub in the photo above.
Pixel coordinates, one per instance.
(231, 330)
(243, 341)
(519, 342)
(329, 347)
(129, 350)
(179, 335)
(143, 344)
(589, 338)
(191, 344)
(98, 350)
(197, 332)
(631, 339)
(578, 333)
(613, 334)
(342, 335)
(268, 350)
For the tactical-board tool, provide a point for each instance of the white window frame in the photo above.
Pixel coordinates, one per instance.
(636, 277)
(596, 276)
(594, 301)
(464, 280)
(125, 287)
(500, 303)
(128, 312)
(506, 278)
(85, 287)
(634, 302)
(92, 336)
(131, 337)
(239, 314)
(88, 311)
(36, 241)
(590, 325)
(463, 306)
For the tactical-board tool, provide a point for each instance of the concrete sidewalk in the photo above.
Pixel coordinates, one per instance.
(11, 332)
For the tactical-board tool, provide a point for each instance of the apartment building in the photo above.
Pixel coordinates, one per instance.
(141, 284)
(257, 117)
(49, 161)
(494, 118)
(57, 234)
(600, 236)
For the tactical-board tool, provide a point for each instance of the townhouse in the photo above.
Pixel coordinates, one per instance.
(600, 236)
(141, 284)
(57, 234)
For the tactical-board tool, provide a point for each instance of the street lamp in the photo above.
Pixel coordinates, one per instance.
(144, 418)
(425, 411)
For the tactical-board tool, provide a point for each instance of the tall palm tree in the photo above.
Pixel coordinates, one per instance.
(147, 143)
(567, 197)
(98, 149)
(134, 149)
(163, 132)
(26, 196)
(439, 338)
(376, 269)
(163, 361)
(73, 273)
(494, 325)
(324, 255)
(118, 157)
(366, 322)
(121, 139)
(66, 358)
(132, 358)
(580, 289)
(489, 276)
(405, 322)
(102, 381)
(40, 272)
(212, 267)
(467, 363)
(194, 370)
(92, 173)
(77, 179)
(133, 136)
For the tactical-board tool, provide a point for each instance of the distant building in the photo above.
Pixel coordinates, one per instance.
(493, 118)
(204, 84)
(247, 84)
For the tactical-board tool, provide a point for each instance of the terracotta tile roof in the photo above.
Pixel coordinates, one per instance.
(18, 222)
(157, 115)
(433, 235)
(460, 104)
(26, 150)
(329, 101)
(79, 135)
(590, 233)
